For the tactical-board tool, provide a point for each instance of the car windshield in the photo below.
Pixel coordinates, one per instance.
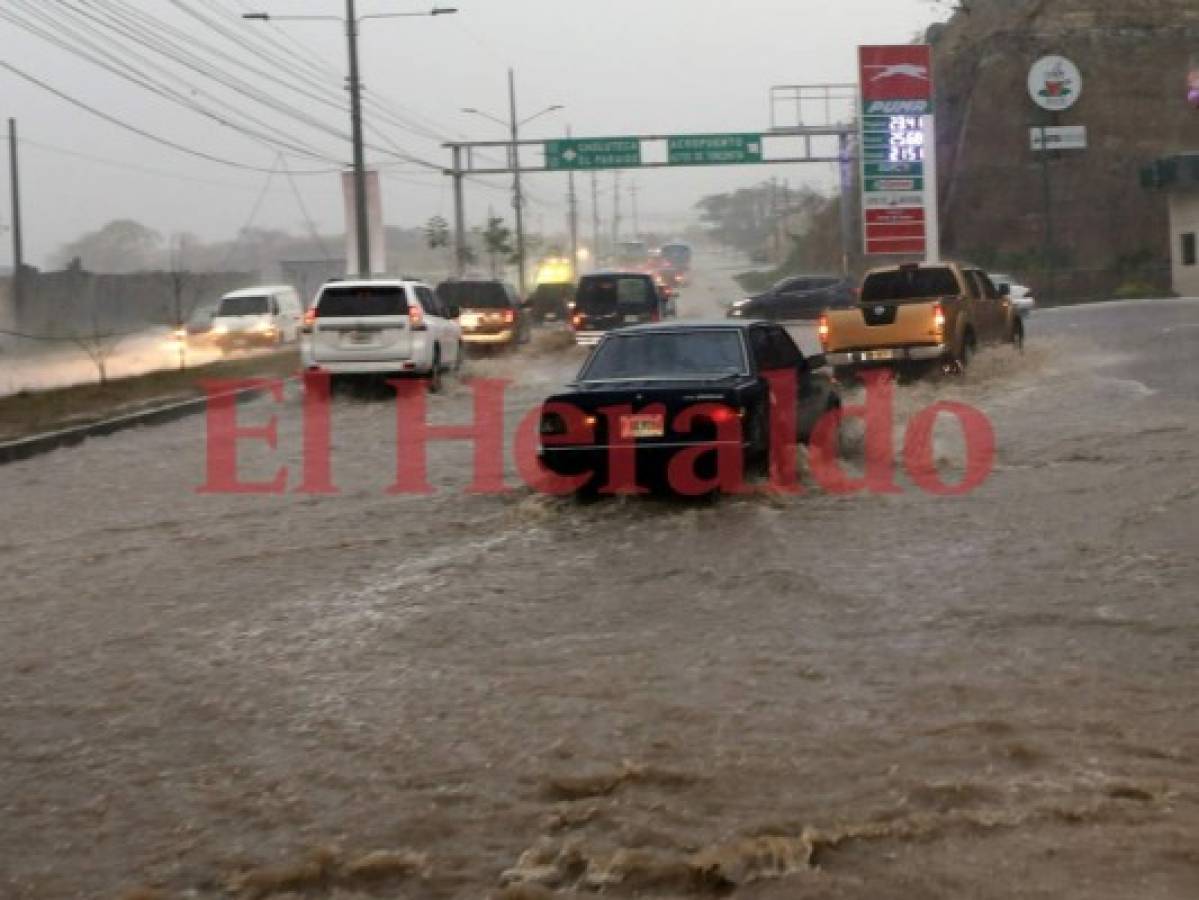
(909, 284)
(604, 295)
(244, 306)
(374, 300)
(474, 294)
(667, 354)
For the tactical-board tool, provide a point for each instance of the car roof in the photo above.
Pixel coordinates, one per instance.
(693, 325)
(374, 282)
(259, 291)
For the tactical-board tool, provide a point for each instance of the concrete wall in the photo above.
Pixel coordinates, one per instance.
(1184, 219)
(75, 301)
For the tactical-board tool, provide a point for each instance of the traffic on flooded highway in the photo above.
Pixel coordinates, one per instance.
(771, 483)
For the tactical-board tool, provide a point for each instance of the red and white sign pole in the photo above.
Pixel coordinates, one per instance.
(899, 172)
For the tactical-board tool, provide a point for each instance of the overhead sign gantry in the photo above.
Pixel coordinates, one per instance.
(826, 143)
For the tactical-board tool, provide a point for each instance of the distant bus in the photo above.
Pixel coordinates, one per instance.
(678, 255)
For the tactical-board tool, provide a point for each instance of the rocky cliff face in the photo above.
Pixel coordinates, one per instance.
(1109, 232)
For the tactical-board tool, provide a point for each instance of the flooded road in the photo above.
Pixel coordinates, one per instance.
(38, 365)
(452, 695)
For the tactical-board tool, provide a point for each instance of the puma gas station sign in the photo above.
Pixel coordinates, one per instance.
(896, 135)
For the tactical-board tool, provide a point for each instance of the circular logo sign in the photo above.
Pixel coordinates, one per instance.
(1054, 83)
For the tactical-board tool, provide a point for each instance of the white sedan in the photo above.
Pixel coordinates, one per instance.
(1022, 299)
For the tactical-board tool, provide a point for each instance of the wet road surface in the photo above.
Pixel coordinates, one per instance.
(862, 696)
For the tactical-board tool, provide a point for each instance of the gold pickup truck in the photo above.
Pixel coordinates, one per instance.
(919, 316)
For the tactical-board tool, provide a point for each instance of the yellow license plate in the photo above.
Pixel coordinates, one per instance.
(642, 425)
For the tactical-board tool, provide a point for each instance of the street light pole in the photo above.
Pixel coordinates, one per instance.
(352, 20)
(362, 218)
(518, 198)
(513, 126)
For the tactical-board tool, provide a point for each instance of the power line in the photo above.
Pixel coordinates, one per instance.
(117, 65)
(113, 120)
(131, 167)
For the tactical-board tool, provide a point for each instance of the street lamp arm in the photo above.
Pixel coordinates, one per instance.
(267, 17)
(436, 11)
(549, 109)
(478, 112)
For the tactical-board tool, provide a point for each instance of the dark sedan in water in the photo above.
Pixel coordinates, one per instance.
(800, 297)
(705, 391)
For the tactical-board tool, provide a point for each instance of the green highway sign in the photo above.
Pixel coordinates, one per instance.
(714, 149)
(593, 153)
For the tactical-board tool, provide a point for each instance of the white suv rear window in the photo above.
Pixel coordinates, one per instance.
(352, 302)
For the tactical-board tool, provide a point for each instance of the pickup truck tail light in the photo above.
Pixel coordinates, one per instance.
(416, 317)
(823, 331)
(939, 319)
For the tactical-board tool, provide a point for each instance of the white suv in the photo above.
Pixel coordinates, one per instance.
(381, 326)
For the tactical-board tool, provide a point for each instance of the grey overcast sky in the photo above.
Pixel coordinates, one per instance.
(619, 66)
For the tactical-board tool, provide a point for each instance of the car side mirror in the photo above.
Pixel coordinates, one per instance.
(814, 362)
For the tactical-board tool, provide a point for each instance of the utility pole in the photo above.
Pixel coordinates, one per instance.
(518, 198)
(636, 217)
(573, 202)
(18, 260)
(615, 209)
(362, 223)
(459, 216)
(595, 220)
(1048, 258)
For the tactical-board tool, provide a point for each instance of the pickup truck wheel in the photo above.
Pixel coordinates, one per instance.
(435, 373)
(957, 365)
(1017, 337)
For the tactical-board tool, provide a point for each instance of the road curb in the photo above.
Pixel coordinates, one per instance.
(38, 444)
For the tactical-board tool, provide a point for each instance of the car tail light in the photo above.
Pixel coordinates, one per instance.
(310, 317)
(577, 320)
(416, 317)
(722, 414)
(939, 318)
(509, 316)
(823, 331)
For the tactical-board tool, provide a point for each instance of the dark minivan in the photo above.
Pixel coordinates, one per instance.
(610, 300)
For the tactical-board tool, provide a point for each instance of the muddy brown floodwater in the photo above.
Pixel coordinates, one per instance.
(455, 696)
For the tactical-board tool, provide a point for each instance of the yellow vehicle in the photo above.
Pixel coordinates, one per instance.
(918, 316)
(555, 270)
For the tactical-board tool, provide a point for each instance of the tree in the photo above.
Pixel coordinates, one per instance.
(437, 232)
(498, 241)
(121, 246)
(96, 340)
